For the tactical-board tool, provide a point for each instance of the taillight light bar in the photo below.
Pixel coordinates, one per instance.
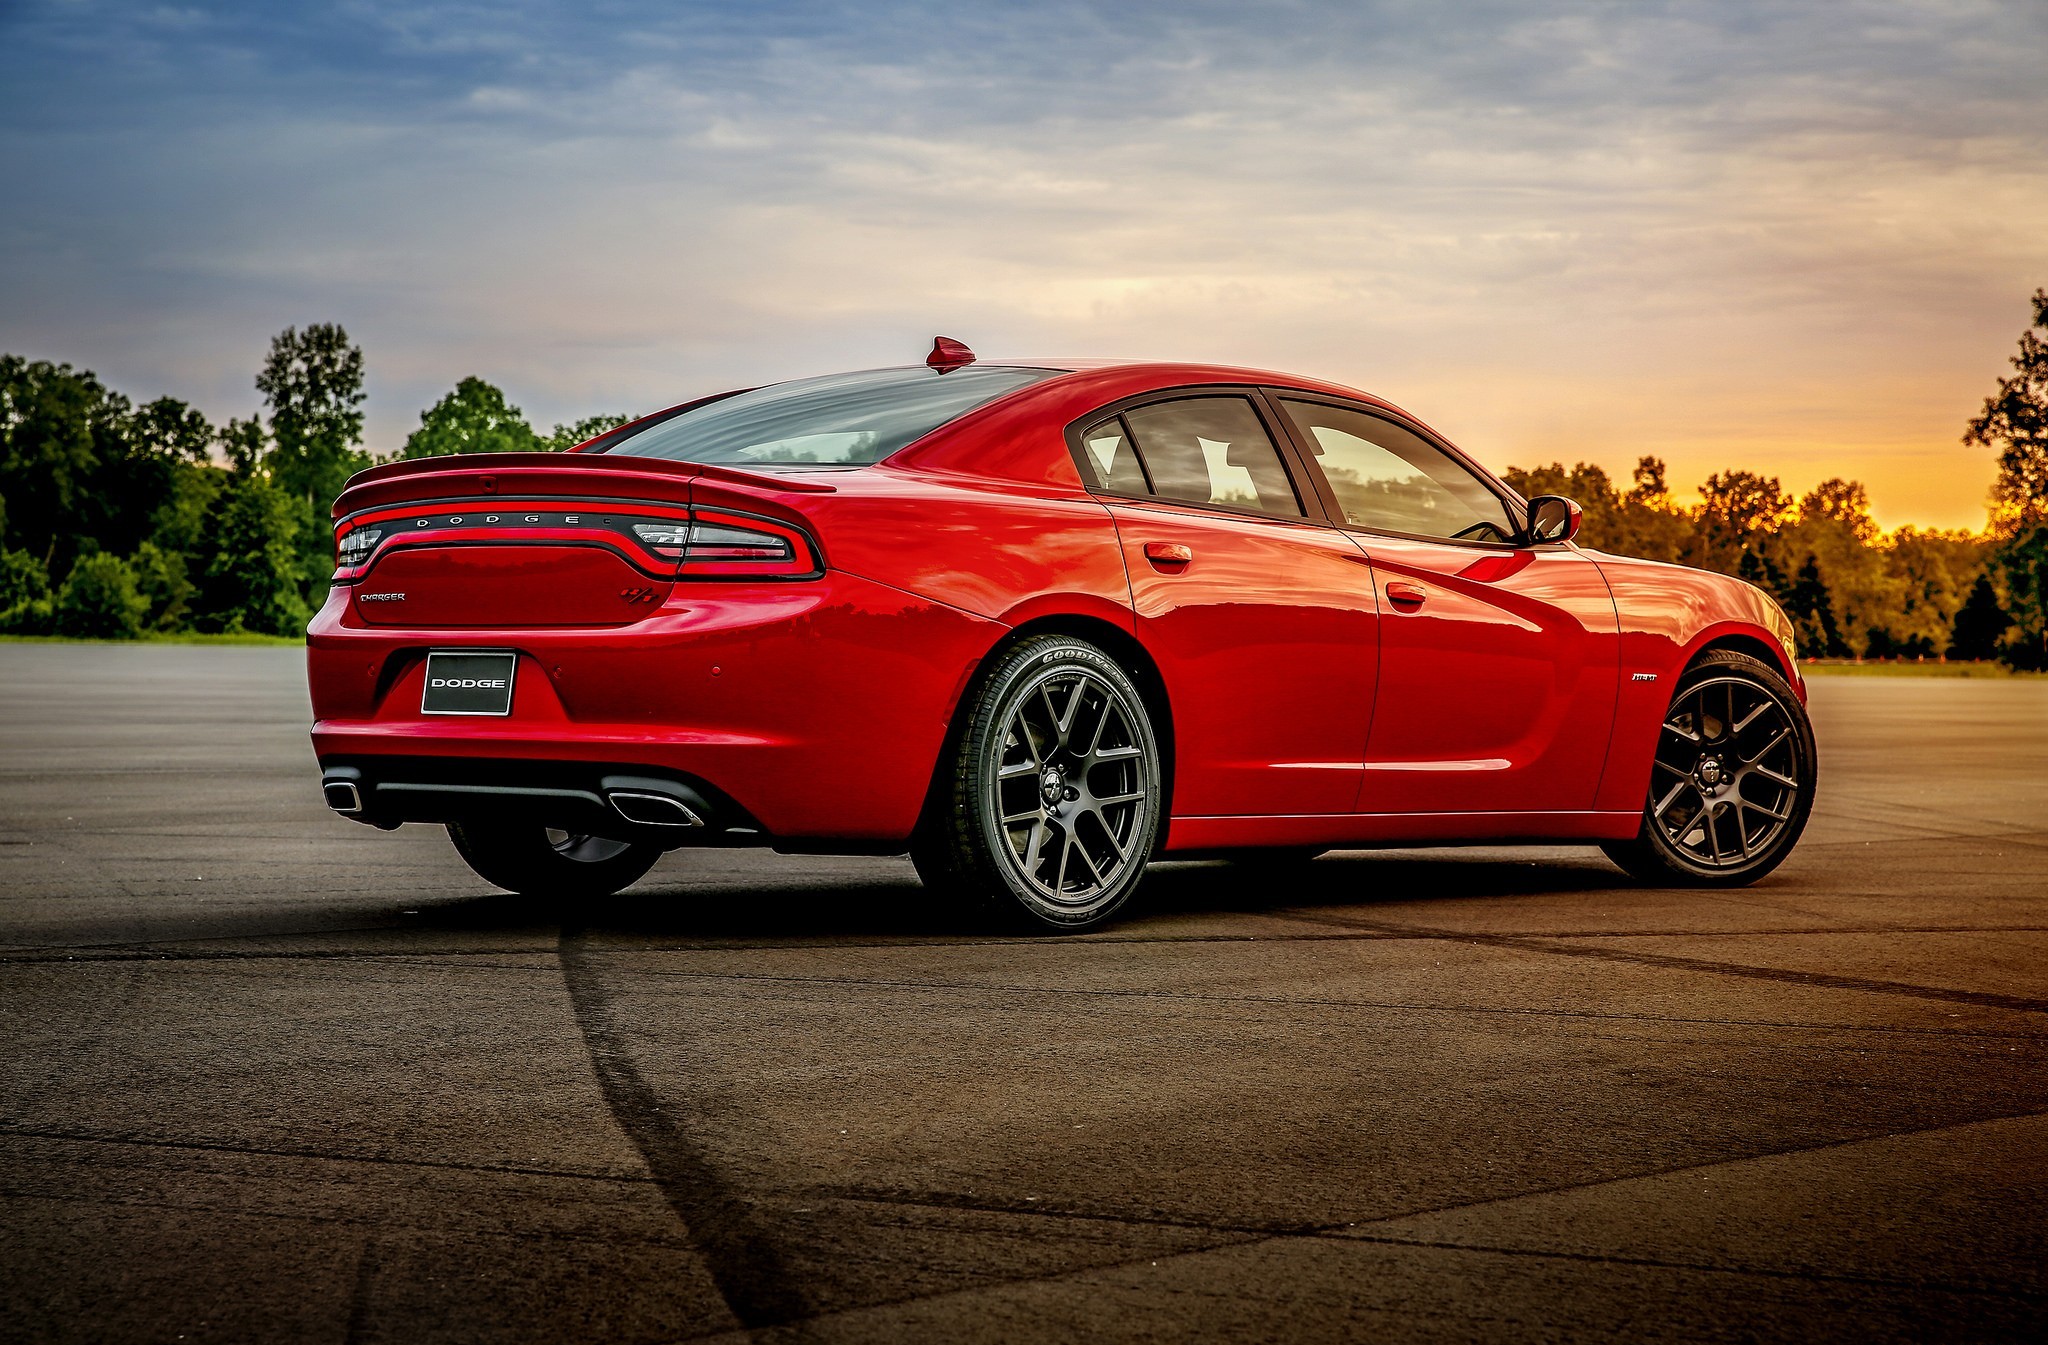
(725, 545)
(708, 543)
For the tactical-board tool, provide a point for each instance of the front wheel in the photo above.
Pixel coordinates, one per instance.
(1048, 807)
(540, 861)
(1732, 782)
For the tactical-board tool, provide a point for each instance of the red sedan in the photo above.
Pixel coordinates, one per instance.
(1037, 624)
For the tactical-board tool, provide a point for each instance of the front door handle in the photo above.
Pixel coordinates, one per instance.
(1171, 557)
(1407, 597)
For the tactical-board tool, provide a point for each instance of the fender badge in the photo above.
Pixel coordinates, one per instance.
(1642, 677)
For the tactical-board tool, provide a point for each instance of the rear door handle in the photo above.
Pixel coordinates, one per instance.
(1407, 597)
(1171, 557)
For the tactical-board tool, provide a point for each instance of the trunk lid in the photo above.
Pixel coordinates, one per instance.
(520, 539)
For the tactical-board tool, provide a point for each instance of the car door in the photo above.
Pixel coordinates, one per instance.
(1498, 663)
(1259, 612)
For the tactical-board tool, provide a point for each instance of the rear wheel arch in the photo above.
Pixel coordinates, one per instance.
(1130, 654)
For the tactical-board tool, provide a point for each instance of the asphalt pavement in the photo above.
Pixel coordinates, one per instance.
(270, 1075)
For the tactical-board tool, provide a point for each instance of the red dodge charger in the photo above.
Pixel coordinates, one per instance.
(1037, 623)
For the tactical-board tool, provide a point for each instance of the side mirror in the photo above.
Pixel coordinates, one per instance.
(1552, 518)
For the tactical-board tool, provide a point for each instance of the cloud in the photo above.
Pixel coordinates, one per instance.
(1790, 237)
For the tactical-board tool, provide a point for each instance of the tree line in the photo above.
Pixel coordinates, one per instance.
(119, 520)
(1851, 589)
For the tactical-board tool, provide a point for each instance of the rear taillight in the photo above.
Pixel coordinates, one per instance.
(353, 547)
(726, 545)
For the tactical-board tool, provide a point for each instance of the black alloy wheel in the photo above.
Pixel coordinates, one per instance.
(1049, 804)
(1732, 781)
(541, 861)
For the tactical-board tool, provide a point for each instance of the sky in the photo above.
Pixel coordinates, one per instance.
(1793, 238)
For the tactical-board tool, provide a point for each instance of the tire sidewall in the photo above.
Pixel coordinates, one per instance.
(1015, 678)
(1714, 666)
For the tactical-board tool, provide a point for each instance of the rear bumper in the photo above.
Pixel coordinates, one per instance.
(619, 801)
(799, 711)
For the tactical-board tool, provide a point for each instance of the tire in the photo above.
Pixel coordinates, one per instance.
(1732, 783)
(538, 861)
(1048, 803)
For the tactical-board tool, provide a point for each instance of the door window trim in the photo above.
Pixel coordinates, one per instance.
(1517, 508)
(1308, 489)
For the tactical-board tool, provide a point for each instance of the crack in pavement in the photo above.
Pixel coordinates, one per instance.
(1254, 1235)
(10, 1131)
(1824, 980)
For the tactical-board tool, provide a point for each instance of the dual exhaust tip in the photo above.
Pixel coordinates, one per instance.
(643, 801)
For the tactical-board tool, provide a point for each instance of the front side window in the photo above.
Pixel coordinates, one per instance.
(842, 420)
(1392, 480)
(1203, 450)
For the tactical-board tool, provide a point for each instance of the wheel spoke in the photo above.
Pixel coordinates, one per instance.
(1774, 815)
(1664, 805)
(1780, 736)
(1672, 726)
(1767, 773)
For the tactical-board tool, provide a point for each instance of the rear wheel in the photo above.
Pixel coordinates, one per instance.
(1049, 805)
(541, 861)
(1732, 782)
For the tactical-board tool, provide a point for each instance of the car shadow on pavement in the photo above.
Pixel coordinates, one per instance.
(878, 899)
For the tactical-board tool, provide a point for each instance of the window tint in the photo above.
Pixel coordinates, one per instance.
(1115, 462)
(839, 420)
(1210, 450)
(1387, 478)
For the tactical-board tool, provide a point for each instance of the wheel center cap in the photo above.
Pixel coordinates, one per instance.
(1052, 784)
(1711, 773)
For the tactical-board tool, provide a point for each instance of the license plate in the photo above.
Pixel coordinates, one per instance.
(468, 682)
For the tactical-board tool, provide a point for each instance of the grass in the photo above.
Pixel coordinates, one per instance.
(163, 637)
(1905, 668)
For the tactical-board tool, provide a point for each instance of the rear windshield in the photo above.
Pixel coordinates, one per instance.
(840, 420)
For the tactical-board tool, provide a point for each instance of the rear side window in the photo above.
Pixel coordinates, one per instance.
(842, 420)
(1392, 480)
(1202, 450)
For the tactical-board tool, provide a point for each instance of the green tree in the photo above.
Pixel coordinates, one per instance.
(25, 607)
(1980, 623)
(1834, 528)
(164, 580)
(312, 382)
(474, 418)
(1736, 527)
(99, 600)
(48, 455)
(2015, 422)
(252, 580)
(2023, 565)
(1648, 522)
(1812, 609)
(1932, 572)
(568, 436)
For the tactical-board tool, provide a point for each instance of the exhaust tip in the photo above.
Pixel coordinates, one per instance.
(653, 810)
(343, 796)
